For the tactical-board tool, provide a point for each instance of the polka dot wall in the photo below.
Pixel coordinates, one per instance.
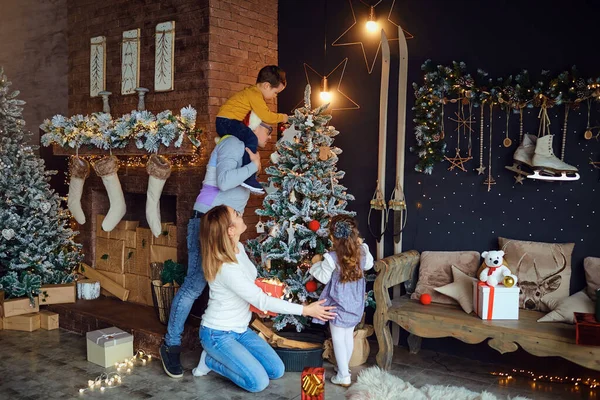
(453, 210)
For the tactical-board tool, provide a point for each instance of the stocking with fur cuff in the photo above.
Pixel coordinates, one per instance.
(159, 170)
(107, 170)
(80, 170)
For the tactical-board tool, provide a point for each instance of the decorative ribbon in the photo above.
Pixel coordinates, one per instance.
(490, 307)
(109, 336)
(491, 270)
(313, 385)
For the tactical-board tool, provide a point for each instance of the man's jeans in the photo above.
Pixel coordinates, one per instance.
(245, 358)
(191, 289)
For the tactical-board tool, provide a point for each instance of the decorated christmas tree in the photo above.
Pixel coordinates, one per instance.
(305, 193)
(36, 243)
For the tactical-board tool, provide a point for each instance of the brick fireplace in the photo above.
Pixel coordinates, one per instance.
(220, 45)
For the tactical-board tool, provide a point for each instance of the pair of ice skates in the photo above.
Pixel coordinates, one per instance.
(537, 154)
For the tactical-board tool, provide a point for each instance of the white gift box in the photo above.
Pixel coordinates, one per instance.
(107, 346)
(498, 302)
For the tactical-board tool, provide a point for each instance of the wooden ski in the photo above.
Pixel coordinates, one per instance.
(383, 106)
(397, 200)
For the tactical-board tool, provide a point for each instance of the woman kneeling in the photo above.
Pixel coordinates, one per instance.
(230, 348)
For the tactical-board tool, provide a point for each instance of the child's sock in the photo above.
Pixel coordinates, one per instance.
(202, 369)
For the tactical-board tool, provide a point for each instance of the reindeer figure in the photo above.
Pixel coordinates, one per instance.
(531, 293)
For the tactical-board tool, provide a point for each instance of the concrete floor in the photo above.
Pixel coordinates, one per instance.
(52, 364)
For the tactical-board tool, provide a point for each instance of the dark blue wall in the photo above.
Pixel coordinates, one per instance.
(501, 37)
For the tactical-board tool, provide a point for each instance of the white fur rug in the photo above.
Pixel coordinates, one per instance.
(376, 384)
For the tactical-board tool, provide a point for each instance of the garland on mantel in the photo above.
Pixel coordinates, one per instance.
(99, 130)
(450, 84)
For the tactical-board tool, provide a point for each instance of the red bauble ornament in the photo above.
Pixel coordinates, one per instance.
(311, 286)
(314, 225)
(425, 299)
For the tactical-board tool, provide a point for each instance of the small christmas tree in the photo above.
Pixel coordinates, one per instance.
(307, 195)
(36, 243)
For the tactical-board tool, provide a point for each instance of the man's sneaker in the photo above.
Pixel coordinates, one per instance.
(346, 381)
(170, 360)
(253, 185)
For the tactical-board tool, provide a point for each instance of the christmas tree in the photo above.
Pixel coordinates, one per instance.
(36, 245)
(307, 194)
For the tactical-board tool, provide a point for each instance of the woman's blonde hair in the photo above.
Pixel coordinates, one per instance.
(344, 231)
(217, 247)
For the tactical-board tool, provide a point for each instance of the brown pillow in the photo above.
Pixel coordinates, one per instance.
(435, 270)
(543, 269)
(592, 275)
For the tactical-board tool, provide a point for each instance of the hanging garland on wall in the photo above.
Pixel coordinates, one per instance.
(451, 84)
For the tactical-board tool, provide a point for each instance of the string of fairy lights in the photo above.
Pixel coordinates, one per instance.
(577, 382)
(111, 380)
(177, 162)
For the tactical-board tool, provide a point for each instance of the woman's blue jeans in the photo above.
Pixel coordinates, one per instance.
(191, 289)
(244, 358)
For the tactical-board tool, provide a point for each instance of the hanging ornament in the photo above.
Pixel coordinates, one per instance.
(309, 121)
(291, 233)
(309, 145)
(8, 234)
(564, 138)
(289, 134)
(490, 180)
(324, 153)
(45, 207)
(274, 230)
(507, 142)
(588, 131)
(481, 168)
(260, 227)
(292, 196)
(311, 286)
(275, 157)
(314, 225)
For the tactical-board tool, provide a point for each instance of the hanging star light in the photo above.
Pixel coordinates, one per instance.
(314, 79)
(361, 33)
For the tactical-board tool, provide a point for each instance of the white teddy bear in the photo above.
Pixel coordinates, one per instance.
(495, 271)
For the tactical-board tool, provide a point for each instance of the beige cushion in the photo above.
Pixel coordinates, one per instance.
(460, 290)
(435, 271)
(543, 269)
(579, 302)
(592, 275)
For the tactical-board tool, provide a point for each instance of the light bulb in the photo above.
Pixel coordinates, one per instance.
(372, 23)
(325, 94)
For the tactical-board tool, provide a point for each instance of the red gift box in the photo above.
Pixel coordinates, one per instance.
(587, 330)
(273, 288)
(313, 383)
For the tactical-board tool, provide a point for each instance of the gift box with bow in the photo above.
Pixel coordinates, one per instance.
(107, 346)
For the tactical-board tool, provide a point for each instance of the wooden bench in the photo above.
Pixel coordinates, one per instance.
(440, 320)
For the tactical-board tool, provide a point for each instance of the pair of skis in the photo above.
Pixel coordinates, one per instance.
(397, 203)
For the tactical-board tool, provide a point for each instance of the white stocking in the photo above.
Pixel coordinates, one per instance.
(80, 170)
(107, 169)
(159, 170)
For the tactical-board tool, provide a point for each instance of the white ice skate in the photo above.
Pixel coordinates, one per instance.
(547, 166)
(524, 155)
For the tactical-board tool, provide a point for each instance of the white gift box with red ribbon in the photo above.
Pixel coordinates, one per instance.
(498, 302)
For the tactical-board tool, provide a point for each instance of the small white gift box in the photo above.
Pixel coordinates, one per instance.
(106, 347)
(498, 302)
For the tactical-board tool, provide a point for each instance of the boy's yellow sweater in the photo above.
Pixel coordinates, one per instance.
(241, 103)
